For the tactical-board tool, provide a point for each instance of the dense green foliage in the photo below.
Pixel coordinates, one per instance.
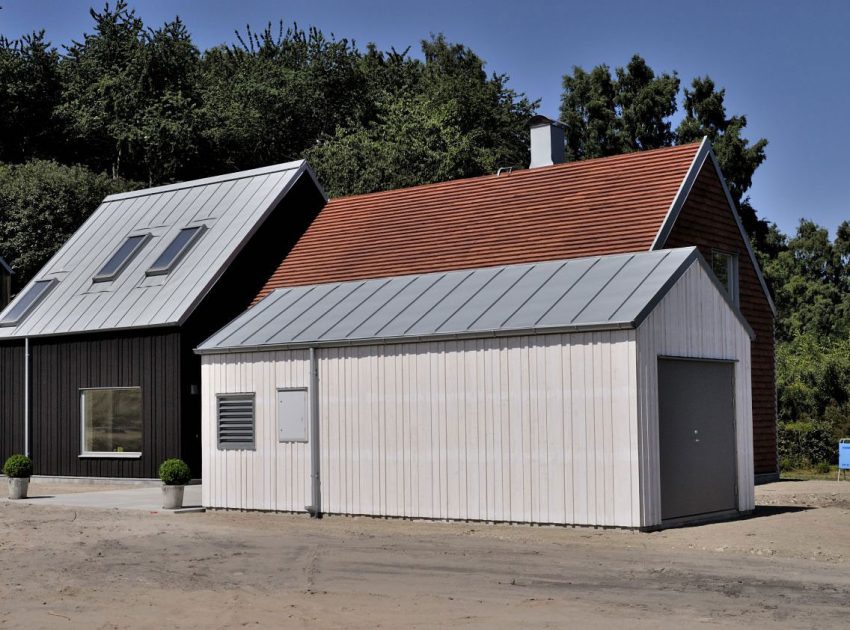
(18, 467)
(174, 472)
(810, 275)
(129, 105)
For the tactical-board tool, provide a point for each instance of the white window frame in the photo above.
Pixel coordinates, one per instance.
(733, 276)
(84, 454)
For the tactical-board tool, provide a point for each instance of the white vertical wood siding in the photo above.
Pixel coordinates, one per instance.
(529, 429)
(274, 476)
(692, 320)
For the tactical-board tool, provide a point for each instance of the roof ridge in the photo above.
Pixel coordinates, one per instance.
(632, 155)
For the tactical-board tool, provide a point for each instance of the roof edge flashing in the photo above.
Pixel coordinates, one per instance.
(194, 183)
(400, 340)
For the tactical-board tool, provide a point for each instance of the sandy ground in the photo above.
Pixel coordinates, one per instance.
(789, 566)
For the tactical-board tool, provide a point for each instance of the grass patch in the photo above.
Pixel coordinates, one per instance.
(806, 474)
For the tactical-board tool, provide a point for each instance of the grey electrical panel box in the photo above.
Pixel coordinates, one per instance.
(292, 413)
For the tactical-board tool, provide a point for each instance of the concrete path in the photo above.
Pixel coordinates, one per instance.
(132, 498)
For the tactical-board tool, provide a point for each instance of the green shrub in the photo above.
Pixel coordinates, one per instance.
(823, 467)
(805, 444)
(18, 466)
(175, 472)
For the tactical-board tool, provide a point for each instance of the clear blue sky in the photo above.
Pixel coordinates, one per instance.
(783, 63)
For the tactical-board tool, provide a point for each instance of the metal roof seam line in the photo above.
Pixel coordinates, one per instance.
(356, 306)
(448, 293)
(641, 283)
(602, 288)
(535, 292)
(570, 288)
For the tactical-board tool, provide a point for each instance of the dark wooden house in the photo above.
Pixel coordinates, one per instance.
(97, 373)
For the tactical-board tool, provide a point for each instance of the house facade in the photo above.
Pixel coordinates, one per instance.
(559, 392)
(97, 371)
(644, 201)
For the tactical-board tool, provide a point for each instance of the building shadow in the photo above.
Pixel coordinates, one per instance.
(762, 511)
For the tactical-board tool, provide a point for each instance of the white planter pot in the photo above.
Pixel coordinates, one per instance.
(18, 487)
(172, 497)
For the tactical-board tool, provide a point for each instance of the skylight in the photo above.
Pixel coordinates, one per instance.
(121, 258)
(175, 251)
(19, 309)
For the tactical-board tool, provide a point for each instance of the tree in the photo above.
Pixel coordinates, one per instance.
(705, 115)
(631, 111)
(43, 205)
(130, 97)
(437, 119)
(811, 280)
(607, 115)
(29, 94)
(269, 97)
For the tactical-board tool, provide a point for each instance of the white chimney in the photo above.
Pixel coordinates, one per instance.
(547, 141)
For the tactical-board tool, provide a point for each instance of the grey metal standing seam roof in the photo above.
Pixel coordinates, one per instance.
(230, 207)
(598, 293)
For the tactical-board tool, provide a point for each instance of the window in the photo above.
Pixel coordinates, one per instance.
(175, 251)
(32, 296)
(121, 258)
(725, 267)
(112, 421)
(235, 421)
(292, 415)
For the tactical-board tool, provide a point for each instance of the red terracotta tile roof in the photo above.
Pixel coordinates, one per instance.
(603, 206)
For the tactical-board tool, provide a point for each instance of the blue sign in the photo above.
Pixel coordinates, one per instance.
(844, 455)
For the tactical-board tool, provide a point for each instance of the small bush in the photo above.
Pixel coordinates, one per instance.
(18, 466)
(823, 467)
(805, 444)
(175, 472)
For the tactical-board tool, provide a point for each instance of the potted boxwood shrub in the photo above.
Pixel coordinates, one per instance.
(18, 468)
(175, 474)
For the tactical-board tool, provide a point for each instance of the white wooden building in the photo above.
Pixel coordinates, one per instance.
(606, 391)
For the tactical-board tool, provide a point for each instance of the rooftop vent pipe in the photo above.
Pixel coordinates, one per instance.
(547, 141)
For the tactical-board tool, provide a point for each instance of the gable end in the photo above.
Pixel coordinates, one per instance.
(705, 156)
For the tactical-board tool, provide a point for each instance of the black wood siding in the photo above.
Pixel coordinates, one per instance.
(62, 366)
(11, 399)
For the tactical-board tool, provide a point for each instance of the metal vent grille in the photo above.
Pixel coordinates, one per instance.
(236, 421)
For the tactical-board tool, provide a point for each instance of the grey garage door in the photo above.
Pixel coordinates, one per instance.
(697, 437)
